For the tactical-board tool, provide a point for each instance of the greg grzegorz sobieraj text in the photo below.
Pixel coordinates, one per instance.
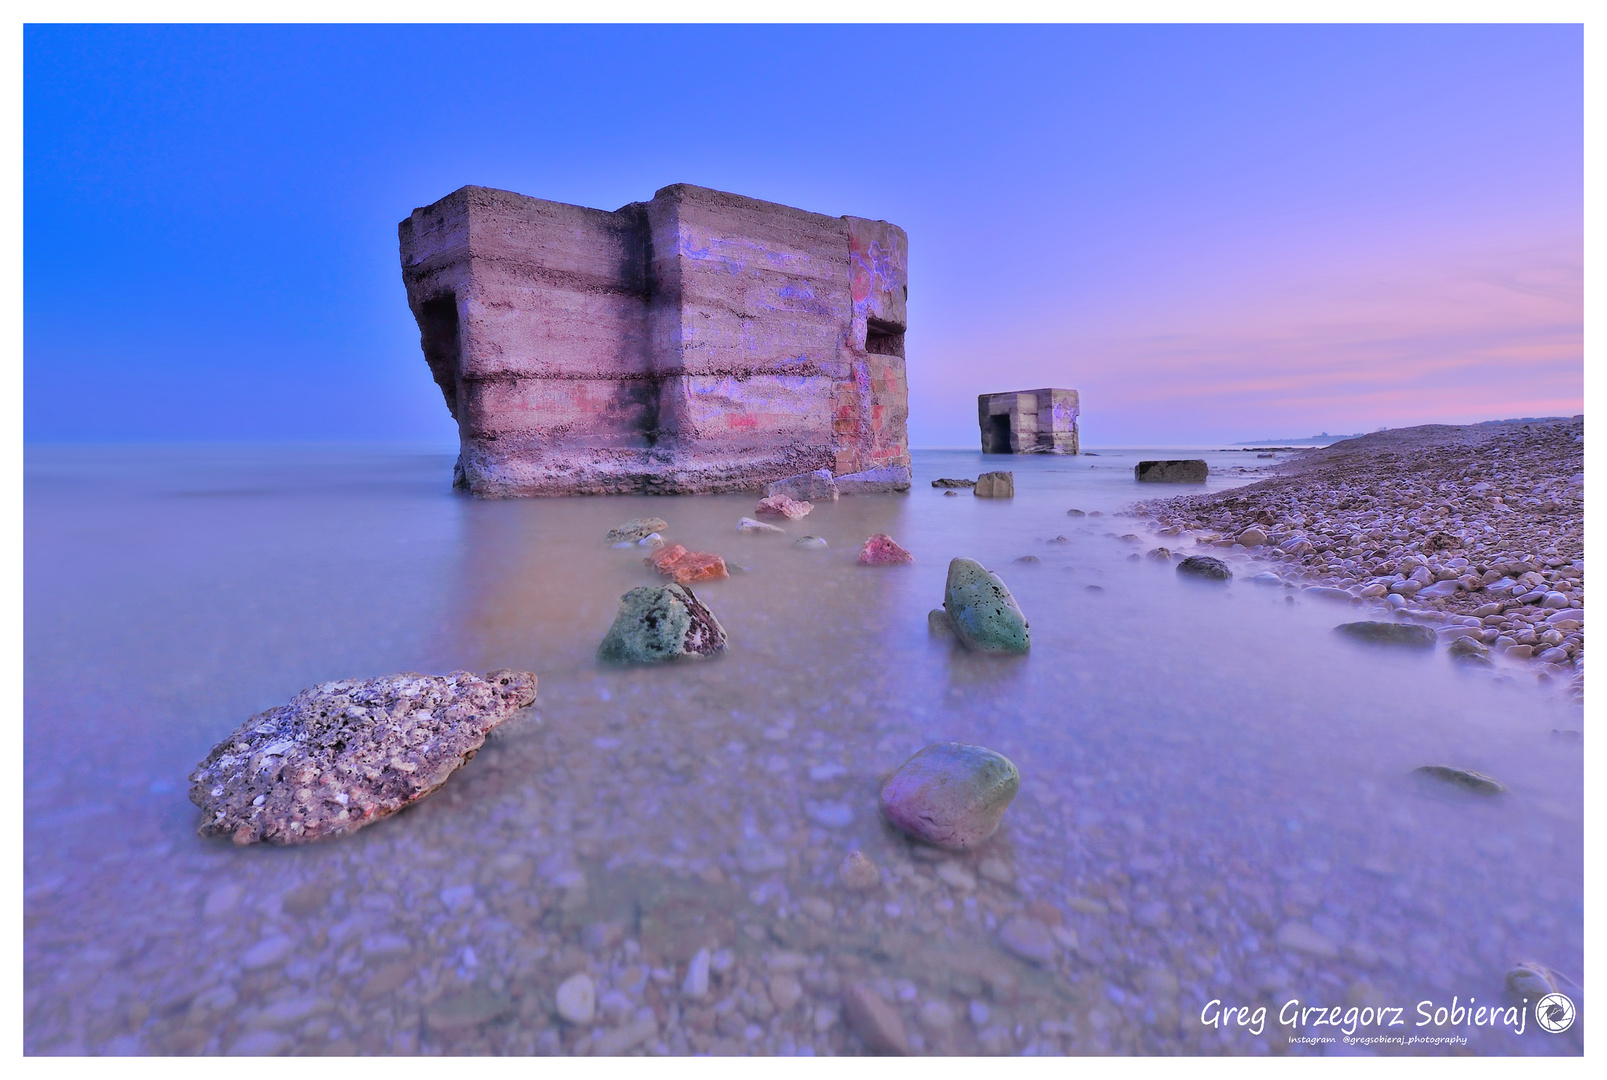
(1348, 1020)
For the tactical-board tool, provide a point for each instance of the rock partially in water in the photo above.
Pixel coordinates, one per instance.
(1469, 650)
(344, 754)
(636, 529)
(1028, 559)
(1160, 554)
(1266, 577)
(783, 506)
(750, 527)
(658, 623)
(951, 795)
(875, 1021)
(1060, 540)
(810, 543)
(1466, 779)
(1190, 471)
(1410, 635)
(884, 480)
(883, 550)
(857, 872)
(686, 567)
(1204, 566)
(995, 485)
(984, 614)
(1075, 513)
(817, 486)
(938, 623)
(1328, 592)
(948, 482)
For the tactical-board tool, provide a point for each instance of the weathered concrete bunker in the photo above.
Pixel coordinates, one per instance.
(1028, 422)
(699, 342)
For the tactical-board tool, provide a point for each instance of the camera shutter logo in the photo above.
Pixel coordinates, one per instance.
(1555, 1013)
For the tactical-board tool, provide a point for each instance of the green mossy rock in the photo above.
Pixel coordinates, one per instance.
(984, 614)
(658, 623)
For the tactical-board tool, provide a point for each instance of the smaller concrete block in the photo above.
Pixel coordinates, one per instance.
(1193, 471)
(883, 481)
(817, 486)
(995, 485)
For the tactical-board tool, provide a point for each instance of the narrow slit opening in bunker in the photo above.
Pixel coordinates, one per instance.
(438, 333)
(999, 434)
(884, 338)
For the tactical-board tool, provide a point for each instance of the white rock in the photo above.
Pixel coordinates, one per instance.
(577, 999)
(696, 984)
(759, 528)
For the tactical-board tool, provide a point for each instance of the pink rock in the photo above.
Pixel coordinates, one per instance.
(883, 550)
(687, 567)
(782, 506)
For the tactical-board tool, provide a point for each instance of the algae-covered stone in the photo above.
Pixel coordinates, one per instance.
(984, 614)
(1204, 566)
(1410, 635)
(951, 795)
(636, 529)
(661, 623)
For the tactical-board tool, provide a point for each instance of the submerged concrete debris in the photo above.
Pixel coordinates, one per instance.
(344, 754)
(1192, 471)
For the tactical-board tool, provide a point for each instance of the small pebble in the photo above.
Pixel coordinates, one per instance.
(577, 999)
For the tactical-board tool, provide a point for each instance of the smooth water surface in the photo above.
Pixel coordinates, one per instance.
(1217, 801)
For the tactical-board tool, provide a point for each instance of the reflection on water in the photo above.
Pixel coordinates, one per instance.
(1216, 794)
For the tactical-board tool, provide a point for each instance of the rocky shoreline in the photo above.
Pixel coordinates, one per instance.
(1479, 528)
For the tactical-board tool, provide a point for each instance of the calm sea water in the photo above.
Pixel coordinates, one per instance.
(1217, 801)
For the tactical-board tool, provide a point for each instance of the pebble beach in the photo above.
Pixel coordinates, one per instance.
(1478, 528)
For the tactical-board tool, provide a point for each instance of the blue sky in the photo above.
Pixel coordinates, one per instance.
(1211, 232)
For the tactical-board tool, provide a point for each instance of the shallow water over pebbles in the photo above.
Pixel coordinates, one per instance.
(1217, 796)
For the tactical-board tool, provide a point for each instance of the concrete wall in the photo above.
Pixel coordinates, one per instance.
(699, 342)
(1028, 422)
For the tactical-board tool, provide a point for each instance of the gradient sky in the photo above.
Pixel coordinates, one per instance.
(1213, 233)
